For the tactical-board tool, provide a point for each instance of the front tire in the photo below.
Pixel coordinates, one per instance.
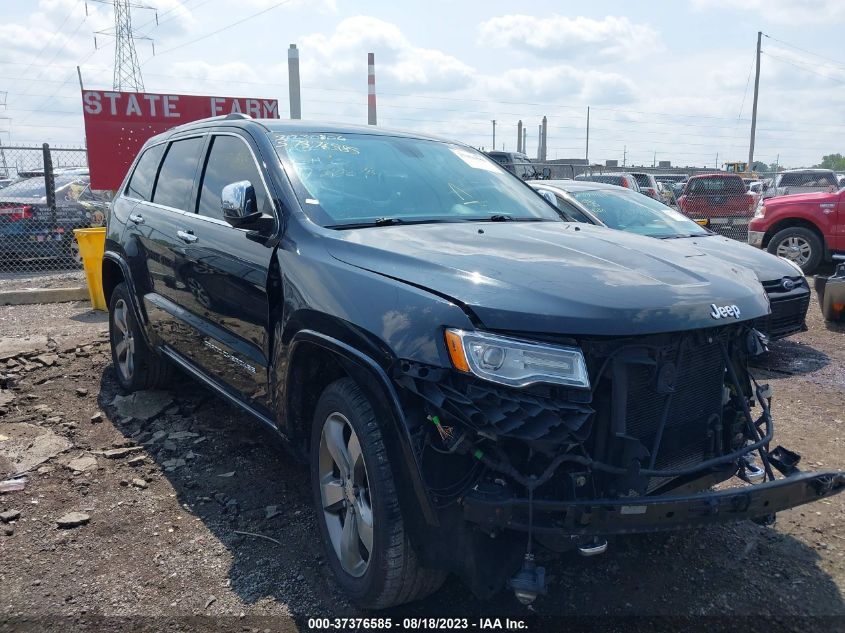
(357, 506)
(799, 244)
(137, 367)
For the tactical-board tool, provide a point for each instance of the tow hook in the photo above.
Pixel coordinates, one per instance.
(529, 582)
(594, 548)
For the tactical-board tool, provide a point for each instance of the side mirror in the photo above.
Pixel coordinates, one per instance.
(239, 203)
(547, 173)
(549, 196)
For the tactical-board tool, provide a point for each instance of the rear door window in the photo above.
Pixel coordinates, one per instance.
(176, 178)
(717, 186)
(229, 160)
(141, 184)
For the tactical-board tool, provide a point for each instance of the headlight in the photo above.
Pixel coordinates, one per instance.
(516, 363)
(760, 211)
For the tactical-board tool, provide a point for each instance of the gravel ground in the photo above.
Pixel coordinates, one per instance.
(50, 279)
(177, 521)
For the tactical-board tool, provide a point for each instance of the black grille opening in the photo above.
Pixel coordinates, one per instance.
(694, 411)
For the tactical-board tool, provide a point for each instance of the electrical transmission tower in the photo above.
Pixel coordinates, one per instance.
(127, 69)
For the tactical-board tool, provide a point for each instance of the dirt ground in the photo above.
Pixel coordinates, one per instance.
(179, 506)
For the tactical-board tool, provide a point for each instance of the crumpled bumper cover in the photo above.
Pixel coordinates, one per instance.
(649, 514)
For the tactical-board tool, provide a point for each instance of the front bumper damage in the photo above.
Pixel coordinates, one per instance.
(606, 517)
(667, 417)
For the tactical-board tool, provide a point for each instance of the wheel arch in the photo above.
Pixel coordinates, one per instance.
(790, 222)
(115, 271)
(320, 356)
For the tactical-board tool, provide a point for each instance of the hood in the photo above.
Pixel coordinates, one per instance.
(766, 266)
(555, 277)
(815, 196)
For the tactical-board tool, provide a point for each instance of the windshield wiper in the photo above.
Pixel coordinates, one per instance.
(501, 217)
(383, 222)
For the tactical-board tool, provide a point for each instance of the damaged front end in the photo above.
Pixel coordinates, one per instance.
(658, 421)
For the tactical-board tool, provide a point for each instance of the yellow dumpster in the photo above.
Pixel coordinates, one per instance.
(91, 245)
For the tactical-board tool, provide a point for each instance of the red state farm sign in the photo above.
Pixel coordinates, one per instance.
(118, 123)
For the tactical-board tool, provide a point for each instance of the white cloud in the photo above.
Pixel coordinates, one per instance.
(783, 11)
(342, 54)
(559, 35)
(565, 83)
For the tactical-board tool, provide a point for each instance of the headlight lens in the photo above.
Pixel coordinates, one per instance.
(760, 211)
(516, 363)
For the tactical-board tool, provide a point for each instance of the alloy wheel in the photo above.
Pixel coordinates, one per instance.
(123, 340)
(345, 495)
(796, 249)
(199, 292)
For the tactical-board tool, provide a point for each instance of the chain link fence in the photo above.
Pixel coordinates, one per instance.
(44, 195)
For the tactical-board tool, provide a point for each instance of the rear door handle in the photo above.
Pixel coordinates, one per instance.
(186, 236)
(137, 218)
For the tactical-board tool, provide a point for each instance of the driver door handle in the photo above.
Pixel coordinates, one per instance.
(186, 236)
(137, 218)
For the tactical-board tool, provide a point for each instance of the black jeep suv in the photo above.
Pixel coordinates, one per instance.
(469, 374)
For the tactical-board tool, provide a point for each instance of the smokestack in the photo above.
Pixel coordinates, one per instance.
(371, 88)
(293, 82)
(545, 128)
(519, 136)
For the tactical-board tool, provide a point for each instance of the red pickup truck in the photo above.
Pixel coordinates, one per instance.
(806, 227)
(719, 201)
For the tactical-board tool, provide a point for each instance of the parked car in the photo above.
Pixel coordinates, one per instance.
(647, 183)
(31, 231)
(719, 201)
(468, 376)
(618, 208)
(807, 228)
(673, 178)
(519, 164)
(803, 181)
(620, 179)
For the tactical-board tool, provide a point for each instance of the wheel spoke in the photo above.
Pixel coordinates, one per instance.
(120, 349)
(356, 459)
(332, 493)
(336, 445)
(364, 515)
(350, 555)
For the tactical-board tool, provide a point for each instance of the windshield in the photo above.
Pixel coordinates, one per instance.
(35, 187)
(808, 179)
(347, 180)
(636, 213)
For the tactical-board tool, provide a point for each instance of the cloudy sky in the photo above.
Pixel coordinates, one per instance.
(664, 80)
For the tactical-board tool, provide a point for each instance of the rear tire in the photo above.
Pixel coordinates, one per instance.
(799, 244)
(351, 480)
(137, 366)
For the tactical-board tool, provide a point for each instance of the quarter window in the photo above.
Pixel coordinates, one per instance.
(176, 179)
(141, 184)
(229, 161)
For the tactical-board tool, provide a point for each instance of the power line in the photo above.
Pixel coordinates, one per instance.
(220, 30)
(804, 50)
(804, 67)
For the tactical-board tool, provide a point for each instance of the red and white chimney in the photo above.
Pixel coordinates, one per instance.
(371, 89)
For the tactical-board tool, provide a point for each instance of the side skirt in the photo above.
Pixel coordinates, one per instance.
(197, 373)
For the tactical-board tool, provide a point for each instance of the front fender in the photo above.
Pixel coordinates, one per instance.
(380, 391)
